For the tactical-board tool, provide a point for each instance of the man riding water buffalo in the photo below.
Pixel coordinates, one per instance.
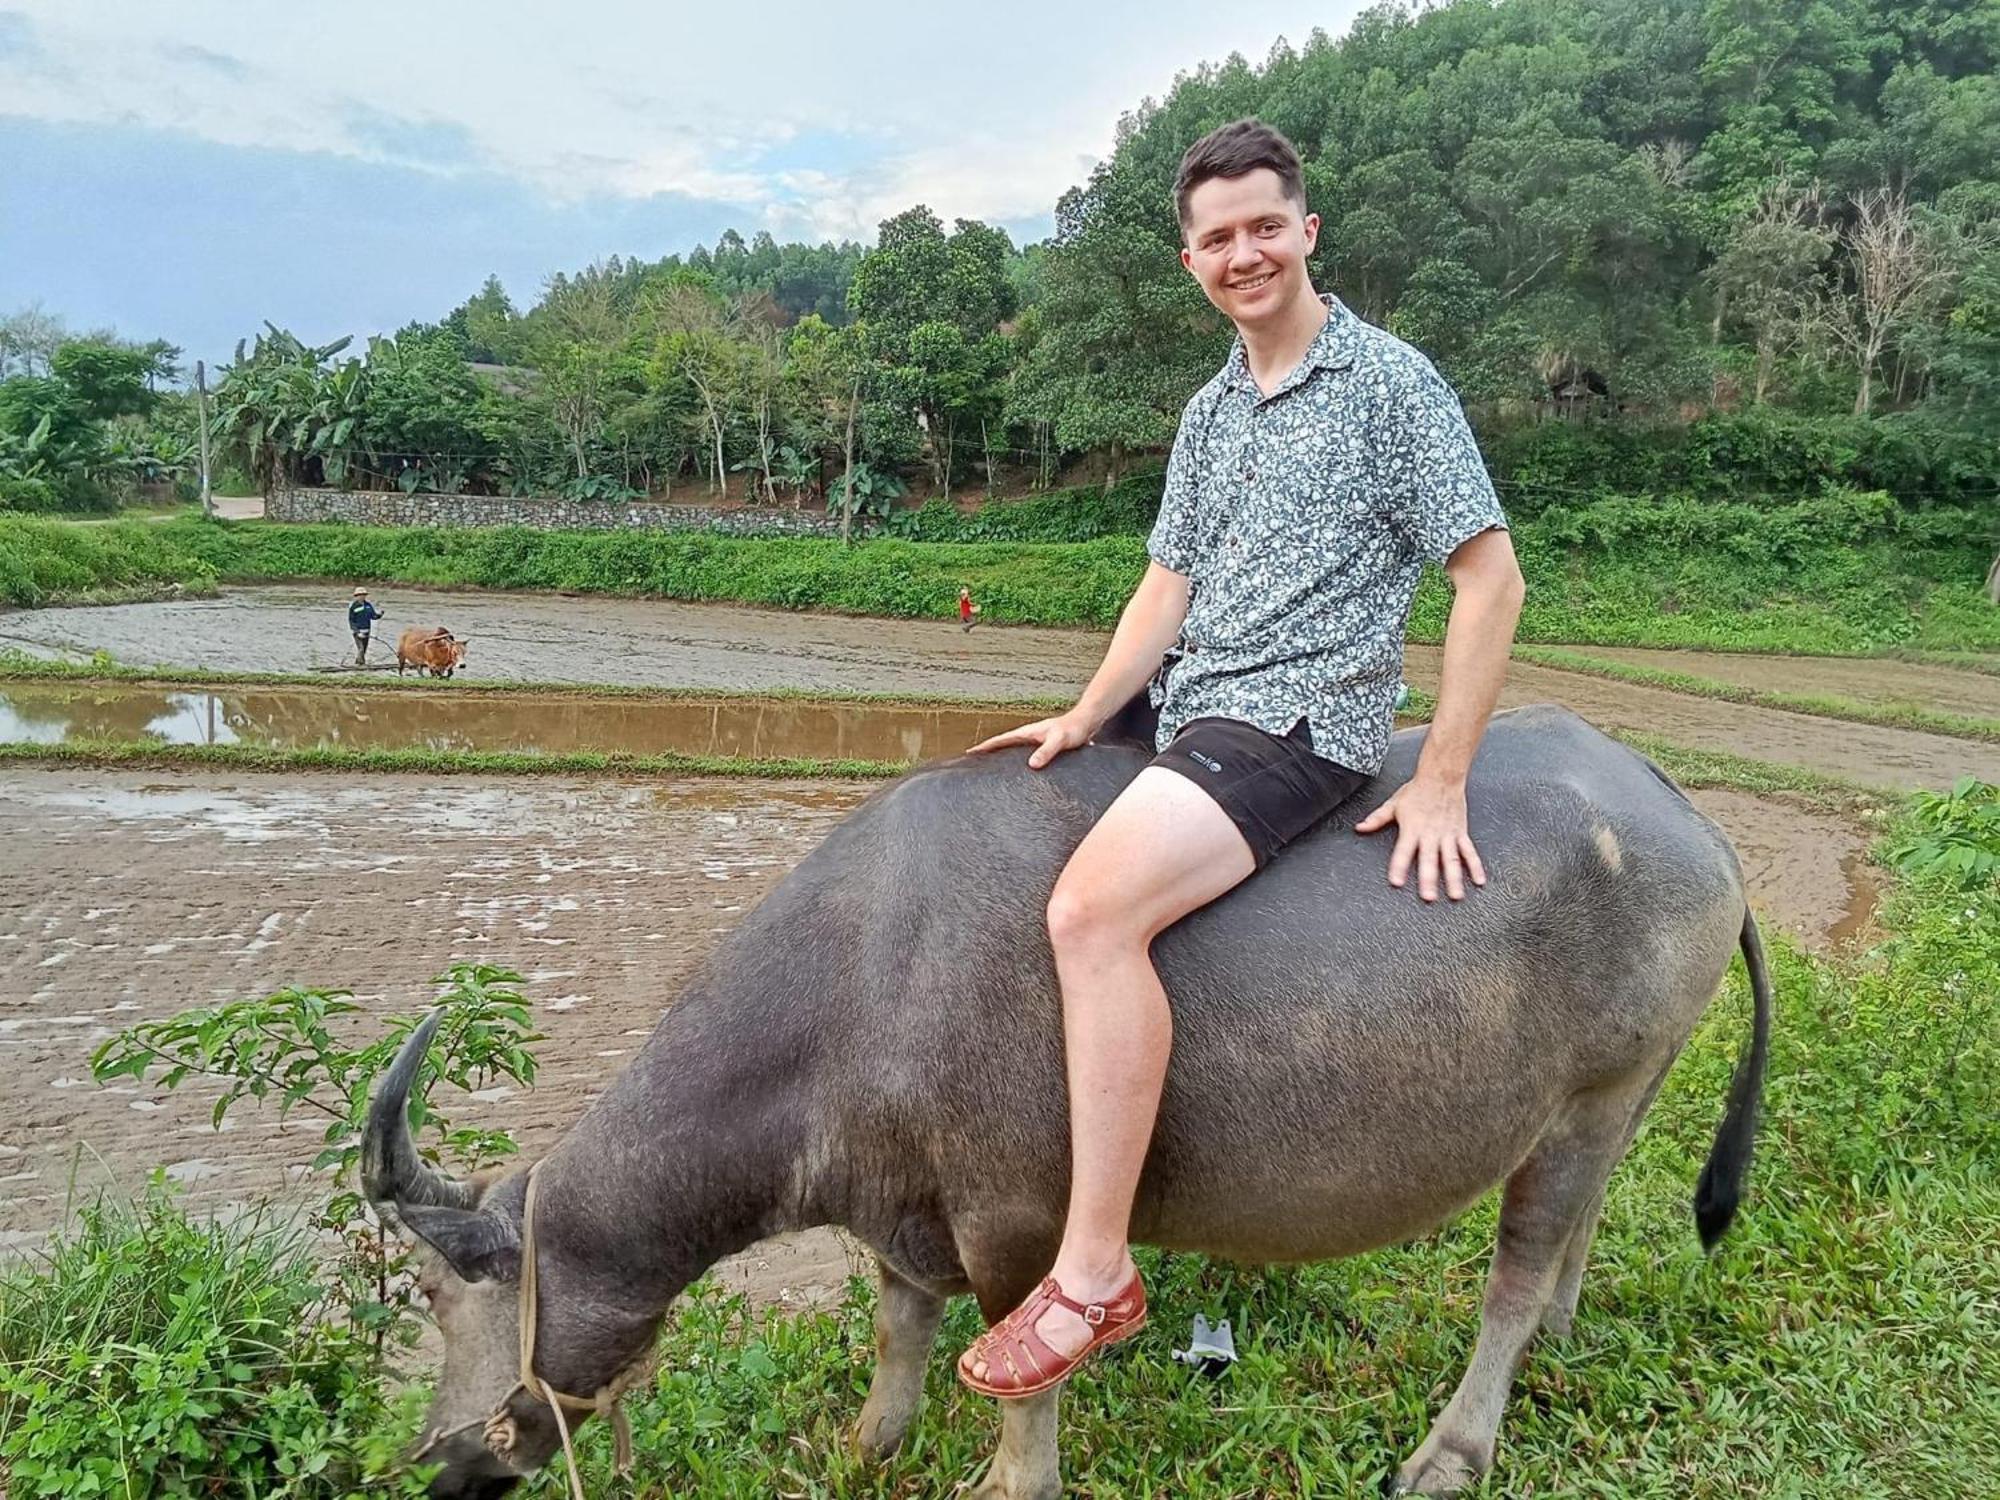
(1310, 479)
(882, 1042)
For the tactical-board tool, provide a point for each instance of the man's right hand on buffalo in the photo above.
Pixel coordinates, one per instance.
(1050, 737)
(1150, 624)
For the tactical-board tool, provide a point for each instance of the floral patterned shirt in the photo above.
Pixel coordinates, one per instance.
(1302, 520)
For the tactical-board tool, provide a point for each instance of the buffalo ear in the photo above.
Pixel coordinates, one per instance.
(480, 1246)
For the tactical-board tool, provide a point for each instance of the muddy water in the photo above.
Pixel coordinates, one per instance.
(127, 896)
(285, 718)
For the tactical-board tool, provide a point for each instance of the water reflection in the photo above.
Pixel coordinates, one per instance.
(295, 719)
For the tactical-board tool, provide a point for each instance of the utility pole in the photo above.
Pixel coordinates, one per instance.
(201, 407)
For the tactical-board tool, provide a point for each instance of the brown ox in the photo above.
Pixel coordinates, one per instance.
(430, 648)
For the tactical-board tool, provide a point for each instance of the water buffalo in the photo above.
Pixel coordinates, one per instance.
(879, 1045)
(430, 648)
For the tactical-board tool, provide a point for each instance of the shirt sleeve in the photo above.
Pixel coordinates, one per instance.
(1172, 543)
(1438, 484)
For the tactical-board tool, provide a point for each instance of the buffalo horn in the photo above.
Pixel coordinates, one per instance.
(392, 1171)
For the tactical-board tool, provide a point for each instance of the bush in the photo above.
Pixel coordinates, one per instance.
(47, 561)
(149, 1354)
(1953, 836)
(30, 496)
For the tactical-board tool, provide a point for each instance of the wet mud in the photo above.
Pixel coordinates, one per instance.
(552, 638)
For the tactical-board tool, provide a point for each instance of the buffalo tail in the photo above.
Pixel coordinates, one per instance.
(1720, 1190)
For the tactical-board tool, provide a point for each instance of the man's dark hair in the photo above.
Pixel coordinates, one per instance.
(1236, 150)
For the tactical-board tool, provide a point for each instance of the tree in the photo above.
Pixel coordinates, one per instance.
(110, 380)
(28, 341)
(488, 324)
(273, 412)
(1896, 272)
(828, 368)
(1769, 274)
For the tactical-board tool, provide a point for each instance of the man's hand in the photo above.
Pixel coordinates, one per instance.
(1431, 829)
(1050, 737)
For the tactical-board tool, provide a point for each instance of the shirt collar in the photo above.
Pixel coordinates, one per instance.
(1332, 348)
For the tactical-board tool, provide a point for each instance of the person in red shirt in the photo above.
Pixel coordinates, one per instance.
(966, 609)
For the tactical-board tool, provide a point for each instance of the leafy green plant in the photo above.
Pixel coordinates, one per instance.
(1954, 835)
(875, 491)
(145, 1353)
(286, 1049)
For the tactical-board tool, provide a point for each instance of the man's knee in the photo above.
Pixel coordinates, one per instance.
(1086, 913)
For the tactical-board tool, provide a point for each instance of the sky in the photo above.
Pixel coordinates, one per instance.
(187, 170)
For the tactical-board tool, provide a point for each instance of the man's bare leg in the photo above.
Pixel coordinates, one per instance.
(1163, 849)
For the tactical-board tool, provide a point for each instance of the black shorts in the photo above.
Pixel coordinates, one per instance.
(1272, 786)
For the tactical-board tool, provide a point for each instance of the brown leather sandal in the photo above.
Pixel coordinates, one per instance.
(1019, 1363)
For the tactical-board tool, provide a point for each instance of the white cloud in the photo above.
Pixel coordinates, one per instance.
(990, 116)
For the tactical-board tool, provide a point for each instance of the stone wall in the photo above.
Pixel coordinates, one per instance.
(377, 508)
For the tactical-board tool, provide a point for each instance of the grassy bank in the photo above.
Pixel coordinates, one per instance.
(1694, 769)
(1836, 575)
(1891, 715)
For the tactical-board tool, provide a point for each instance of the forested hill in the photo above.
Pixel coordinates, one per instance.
(1662, 202)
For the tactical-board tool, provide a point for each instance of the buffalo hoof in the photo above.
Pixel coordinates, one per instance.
(876, 1439)
(1440, 1472)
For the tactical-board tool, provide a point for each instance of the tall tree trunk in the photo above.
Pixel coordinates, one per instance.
(764, 445)
(847, 483)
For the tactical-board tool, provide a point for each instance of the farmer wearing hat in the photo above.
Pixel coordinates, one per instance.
(361, 618)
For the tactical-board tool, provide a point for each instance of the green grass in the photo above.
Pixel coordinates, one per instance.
(1840, 1343)
(1890, 715)
(146, 753)
(150, 1354)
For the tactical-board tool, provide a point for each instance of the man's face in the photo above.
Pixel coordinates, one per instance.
(1247, 245)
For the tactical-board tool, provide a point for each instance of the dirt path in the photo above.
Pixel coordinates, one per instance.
(541, 637)
(1944, 689)
(128, 896)
(1898, 759)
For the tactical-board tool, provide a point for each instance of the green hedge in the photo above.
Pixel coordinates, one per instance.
(1081, 514)
(1778, 456)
